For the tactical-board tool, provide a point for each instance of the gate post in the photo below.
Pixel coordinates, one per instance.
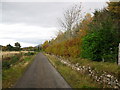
(119, 54)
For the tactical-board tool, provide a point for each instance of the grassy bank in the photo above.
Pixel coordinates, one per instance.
(75, 79)
(17, 66)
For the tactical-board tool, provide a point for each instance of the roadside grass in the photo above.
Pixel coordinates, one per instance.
(13, 73)
(74, 79)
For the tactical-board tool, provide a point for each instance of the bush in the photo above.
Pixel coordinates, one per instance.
(91, 47)
(14, 59)
(10, 61)
(29, 53)
(5, 64)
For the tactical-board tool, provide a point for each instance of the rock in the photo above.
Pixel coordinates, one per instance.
(118, 84)
(116, 87)
(101, 77)
(96, 77)
(83, 66)
(108, 75)
(109, 83)
(108, 79)
(89, 70)
(116, 81)
(78, 69)
(77, 64)
(89, 67)
(97, 80)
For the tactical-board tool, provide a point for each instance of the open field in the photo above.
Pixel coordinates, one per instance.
(5, 54)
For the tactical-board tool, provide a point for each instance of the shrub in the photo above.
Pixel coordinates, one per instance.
(5, 64)
(10, 61)
(29, 53)
(14, 59)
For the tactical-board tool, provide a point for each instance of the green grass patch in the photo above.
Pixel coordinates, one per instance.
(74, 78)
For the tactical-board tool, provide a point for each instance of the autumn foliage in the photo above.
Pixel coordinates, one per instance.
(65, 46)
(95, 37)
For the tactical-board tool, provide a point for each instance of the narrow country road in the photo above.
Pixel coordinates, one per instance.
(41, 74)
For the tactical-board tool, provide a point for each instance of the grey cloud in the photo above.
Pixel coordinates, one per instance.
(27, 40)
(43, 14)
(33, 13)
(31, 40)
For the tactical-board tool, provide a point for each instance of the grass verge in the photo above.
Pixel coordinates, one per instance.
(75, 79)
(12, 74)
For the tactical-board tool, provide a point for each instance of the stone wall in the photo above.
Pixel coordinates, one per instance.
(103, 78)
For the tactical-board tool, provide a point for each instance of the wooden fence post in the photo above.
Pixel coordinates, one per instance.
(119, 54)
(0, 67)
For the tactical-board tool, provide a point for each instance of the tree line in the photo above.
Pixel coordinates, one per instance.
(92, 37)
(9, 47)
(17, 47)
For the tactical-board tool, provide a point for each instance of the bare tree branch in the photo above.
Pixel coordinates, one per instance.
(72, 17)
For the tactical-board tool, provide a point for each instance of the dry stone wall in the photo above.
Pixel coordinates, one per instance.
(103, 78)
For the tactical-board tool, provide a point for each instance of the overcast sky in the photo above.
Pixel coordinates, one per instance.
(31, 23)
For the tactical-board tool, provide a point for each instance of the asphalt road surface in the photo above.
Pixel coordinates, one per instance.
(41, 74)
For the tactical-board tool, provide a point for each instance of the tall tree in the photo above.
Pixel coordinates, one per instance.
(17, 46)
(100, 44)
(45, 45)
(114, 9)
(9, 47)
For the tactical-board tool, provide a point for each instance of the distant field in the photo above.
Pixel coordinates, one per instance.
(12, 53)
